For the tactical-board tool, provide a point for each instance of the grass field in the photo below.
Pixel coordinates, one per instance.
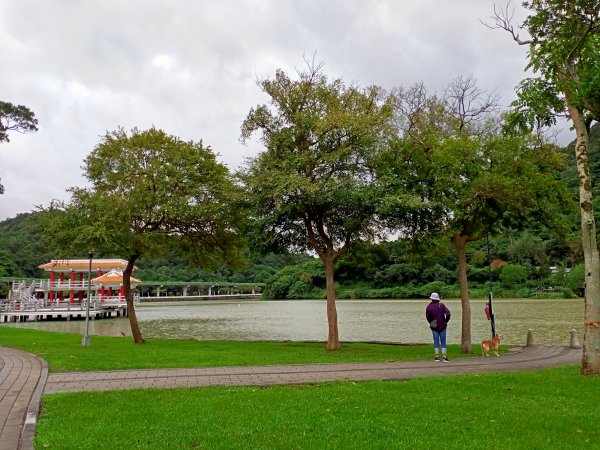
(65, 353)
(549, 409)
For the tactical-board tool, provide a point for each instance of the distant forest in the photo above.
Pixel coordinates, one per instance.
(525, 262)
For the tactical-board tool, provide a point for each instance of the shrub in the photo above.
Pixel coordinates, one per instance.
(524, 293)
(297, 281)
(513, 274)
(478, 274)
(567, 293)
(298, 290)
(575, 279)
(435, 286)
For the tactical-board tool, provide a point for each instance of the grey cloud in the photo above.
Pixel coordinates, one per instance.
(190, 67)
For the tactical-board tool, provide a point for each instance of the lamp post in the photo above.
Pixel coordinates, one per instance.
(86, 337)
(490, 308)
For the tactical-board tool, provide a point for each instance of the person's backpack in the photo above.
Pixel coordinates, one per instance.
(433, 324)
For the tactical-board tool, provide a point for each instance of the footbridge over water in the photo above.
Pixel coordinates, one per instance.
(158, 291)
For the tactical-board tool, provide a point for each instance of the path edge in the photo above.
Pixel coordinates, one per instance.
(26, 441)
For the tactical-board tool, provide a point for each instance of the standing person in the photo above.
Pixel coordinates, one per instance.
(438, 316)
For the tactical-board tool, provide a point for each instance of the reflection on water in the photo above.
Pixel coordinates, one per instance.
(359, 320)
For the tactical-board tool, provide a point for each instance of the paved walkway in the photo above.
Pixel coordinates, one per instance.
(22, 380)
(23, 377)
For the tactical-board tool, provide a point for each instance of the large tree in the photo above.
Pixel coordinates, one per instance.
(312, 188)
(472, 176)
(563, 38)
(15, 118)
(148, 189)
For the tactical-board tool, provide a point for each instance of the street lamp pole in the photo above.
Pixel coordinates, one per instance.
(86, 337)
(490, 309)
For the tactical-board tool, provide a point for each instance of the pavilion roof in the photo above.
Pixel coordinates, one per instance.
(113, 277)
(81, 265)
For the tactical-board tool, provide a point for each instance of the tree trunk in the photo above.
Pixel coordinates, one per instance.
(133, 322)
(590, 364)
(465, 337)
(333, 340)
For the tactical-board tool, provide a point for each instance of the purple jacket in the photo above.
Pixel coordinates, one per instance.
(439, 311)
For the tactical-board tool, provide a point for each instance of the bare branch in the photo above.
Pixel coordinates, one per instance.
(411, 104)
(469, 104)
(503, 19)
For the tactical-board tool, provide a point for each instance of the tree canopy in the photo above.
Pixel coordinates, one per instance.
(312, 187)
(15, 118)
(147, 190)
(564, 50)
(473, 177)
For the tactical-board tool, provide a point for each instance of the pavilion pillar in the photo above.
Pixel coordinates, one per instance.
(51, 286)
(72, 292)
(61, 294)
(81, 283)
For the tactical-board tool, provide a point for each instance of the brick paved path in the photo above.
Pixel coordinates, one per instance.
(534, 358)
(22, 379)
(23, 376)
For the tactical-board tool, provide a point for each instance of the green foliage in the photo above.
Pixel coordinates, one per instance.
(575, 279)
(564, 51)
(513, 274)
(149, 193)
(473, 176)
(22, 246)
(15, 118)
(297, 281)
(535, 107)
(571, 176)
(312, 189)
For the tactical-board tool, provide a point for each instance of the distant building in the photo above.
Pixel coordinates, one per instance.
(68, 278)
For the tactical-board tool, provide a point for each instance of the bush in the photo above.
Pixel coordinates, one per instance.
(478, 274)
(439, 273)
(434, 286)
(524, 293)
(298, 281)
(298, 290)
(575, 279)
(278, 286)
(513, 274)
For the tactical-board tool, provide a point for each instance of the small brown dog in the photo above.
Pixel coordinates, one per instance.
(491, 344)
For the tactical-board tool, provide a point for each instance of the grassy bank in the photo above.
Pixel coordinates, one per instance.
(549, 409)
(65, 353)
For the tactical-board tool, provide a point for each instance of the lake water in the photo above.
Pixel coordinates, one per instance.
(358, 320)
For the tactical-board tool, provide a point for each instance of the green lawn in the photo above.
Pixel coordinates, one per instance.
(554, 408)
(65, 353)
(549, 409)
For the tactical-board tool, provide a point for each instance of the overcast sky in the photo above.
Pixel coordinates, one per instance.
(85, 67)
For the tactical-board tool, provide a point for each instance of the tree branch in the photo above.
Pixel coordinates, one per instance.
(503, 21)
